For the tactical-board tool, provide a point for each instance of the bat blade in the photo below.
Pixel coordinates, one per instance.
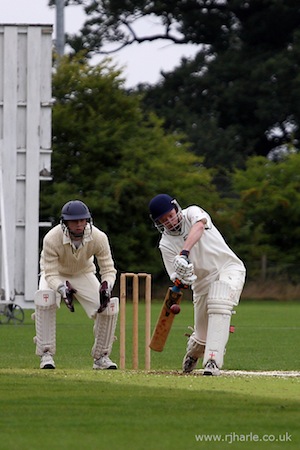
(165, 319)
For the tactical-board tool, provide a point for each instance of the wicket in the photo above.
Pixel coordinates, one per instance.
(136, 277)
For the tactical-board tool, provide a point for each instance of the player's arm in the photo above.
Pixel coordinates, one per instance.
(195, 234)
(49, 264)
(104, 258)
(106, 268)
(184, 270)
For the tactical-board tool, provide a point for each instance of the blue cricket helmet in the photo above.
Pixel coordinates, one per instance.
(75, 210)
(161, 204)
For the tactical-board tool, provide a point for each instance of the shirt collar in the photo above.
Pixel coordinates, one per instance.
(87, 237)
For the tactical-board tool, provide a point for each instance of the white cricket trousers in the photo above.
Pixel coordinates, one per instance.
(87, 286)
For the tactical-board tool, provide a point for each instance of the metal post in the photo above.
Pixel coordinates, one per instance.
(3, 231)
(60, 27)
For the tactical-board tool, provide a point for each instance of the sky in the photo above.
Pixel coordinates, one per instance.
(140, 63)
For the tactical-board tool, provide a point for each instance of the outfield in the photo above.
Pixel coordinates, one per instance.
(74, 407)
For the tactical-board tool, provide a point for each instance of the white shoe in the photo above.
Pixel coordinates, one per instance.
(104, 363)
(47, 362)
(211, 368)
(189, 364)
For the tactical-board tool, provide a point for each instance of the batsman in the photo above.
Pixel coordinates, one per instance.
(195, 252)
(68, 272)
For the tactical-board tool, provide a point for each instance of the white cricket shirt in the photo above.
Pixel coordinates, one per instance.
(210, 255)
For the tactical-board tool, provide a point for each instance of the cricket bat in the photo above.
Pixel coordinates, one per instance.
(165, 319)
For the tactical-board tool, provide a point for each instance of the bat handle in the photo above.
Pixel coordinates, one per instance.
(178, 285)
(175, 289)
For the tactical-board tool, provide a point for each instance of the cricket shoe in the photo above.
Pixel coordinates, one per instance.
(211, 368)
(47, 362)
(189, 364)
(104, 363)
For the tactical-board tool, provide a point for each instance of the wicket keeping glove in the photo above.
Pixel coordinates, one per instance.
(66, 291)
(105, 293)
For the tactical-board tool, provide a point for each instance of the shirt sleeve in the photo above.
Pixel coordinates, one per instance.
(195, 213)
(105, 261)
(49, 259)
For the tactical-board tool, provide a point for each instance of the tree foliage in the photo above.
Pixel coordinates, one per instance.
(268, 213)
(240, 95)
(181, 22)
(243, 99)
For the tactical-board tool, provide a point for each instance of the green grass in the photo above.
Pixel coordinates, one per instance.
(74, 407)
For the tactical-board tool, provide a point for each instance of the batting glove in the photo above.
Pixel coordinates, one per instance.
(104, 296)
(182, 266)
(185, 282)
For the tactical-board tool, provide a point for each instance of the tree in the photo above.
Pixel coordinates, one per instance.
(268, 214)
(108, 154)
(240, 95)
(181, 21)
(244, 99)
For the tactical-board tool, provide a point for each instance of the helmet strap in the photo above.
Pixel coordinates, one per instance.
(75, 235)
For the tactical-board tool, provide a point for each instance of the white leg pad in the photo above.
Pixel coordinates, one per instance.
(220, 302)
(104, 329)
(45, 322)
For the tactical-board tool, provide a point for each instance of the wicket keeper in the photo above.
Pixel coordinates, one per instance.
(195, 252)
(68, 272)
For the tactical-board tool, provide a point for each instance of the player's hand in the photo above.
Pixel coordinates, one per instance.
(69, 292)
(104, 296)
(66, 291)
(182, 266)
(181, 282)
(189, 279)
(177, 282)
(62, 290)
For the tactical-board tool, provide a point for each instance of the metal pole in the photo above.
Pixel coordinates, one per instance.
(3, 232)
(60, 27)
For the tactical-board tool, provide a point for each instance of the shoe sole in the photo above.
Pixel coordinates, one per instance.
(105, 368)
(208, 373)
(48, 366)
